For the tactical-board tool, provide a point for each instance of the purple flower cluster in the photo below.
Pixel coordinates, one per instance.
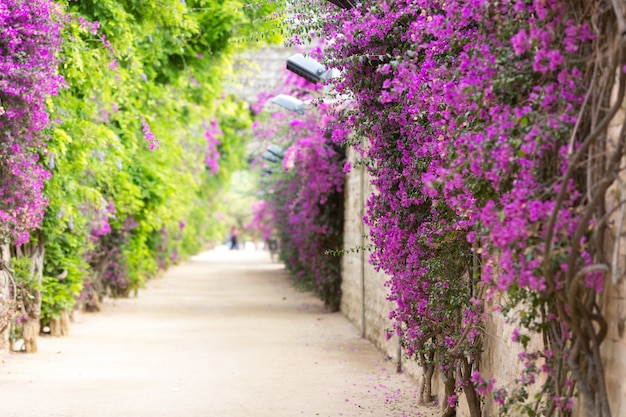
(306, 200)
(261, 223)
(309, 210)
(212, 157)
(29, 42)
(153, 142)
(99, 219)
(111, 259)
(465, 110)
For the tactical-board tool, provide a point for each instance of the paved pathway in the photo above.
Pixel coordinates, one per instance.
(222, 335)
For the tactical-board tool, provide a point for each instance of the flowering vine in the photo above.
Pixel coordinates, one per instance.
(211, 133)
(474, 122)
(29, 42)
(122, 82)
(304, 197)
(153, 142)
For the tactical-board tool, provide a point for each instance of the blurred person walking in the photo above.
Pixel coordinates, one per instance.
(234, 245)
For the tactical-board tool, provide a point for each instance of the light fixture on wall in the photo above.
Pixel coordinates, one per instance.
(309, 68)
(271, 157)
(290, 103)
(277, 151)
(274, 154)
(344, 4)
(298, 106)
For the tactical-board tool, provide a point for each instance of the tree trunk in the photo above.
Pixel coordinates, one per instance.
(473, 400)
(450, 384)
(60, 326)
(96, 286)
(426, 388)
(30, 331)
(5, 299)
(30, 327)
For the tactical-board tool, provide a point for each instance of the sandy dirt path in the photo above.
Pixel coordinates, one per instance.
(222, 335)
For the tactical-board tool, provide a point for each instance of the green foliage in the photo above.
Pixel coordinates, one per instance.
(150, 63)
(22, 274)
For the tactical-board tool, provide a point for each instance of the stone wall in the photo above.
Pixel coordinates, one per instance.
(614, 348)
(499, 360)
(613, 299)
(364, 300)
(6, 288)
(258, 71)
